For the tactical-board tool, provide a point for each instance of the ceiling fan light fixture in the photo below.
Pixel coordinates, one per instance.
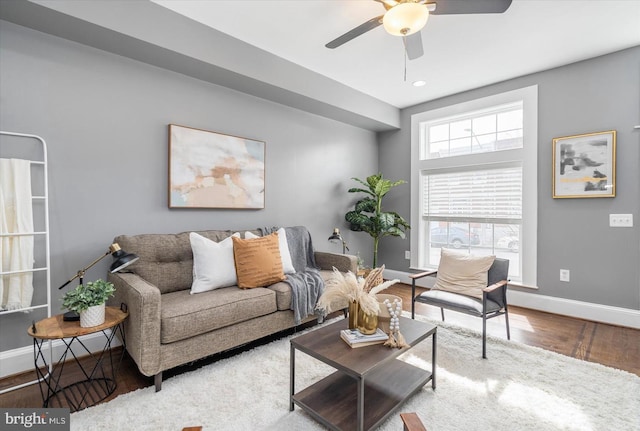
(405, 19)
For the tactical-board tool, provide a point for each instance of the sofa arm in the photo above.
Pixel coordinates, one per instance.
(342, 262)
(142, 327)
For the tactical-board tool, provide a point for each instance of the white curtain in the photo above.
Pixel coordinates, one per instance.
(16, 216)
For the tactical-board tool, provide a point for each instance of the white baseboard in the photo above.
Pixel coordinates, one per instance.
(21, 359)
(567, 307)
(583, 310)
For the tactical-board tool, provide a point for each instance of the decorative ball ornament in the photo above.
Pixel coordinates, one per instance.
(395, 337)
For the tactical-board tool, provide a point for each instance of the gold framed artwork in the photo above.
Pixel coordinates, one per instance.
(214, 170)
(584, 166)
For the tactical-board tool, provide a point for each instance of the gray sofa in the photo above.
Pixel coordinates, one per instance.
(168, 326)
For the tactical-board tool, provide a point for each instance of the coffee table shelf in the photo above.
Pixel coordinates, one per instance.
(333, 400)
(370, 382)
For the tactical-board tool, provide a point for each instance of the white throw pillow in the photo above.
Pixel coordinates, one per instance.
(285, 255)
(213, 263)
(463, 273)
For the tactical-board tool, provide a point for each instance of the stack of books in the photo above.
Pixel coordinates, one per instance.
(355, 338)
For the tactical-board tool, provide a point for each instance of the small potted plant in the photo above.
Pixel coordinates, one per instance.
(89, 300)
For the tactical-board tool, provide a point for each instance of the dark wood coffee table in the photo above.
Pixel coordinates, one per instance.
(370, 382)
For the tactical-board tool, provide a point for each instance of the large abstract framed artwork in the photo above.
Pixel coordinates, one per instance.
(584, 166)
(214, 170)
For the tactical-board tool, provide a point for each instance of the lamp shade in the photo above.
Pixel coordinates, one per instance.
(405, 19)
(335, 236)
(121, 259)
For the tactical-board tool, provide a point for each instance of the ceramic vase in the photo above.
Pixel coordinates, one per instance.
(92, 316)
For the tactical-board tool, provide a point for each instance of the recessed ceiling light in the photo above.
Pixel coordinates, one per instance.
(419, 83)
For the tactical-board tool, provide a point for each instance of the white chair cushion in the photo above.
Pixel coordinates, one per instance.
(464, 274)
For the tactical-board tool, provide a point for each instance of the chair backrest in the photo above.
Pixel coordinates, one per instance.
(498, 271)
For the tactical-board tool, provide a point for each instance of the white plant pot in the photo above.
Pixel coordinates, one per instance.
(92, 316)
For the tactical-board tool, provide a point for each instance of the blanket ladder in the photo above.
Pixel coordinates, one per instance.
(41, 240)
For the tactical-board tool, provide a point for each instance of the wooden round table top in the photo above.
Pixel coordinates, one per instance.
(55, 327)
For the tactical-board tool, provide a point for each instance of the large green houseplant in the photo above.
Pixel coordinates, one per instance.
(368, 215)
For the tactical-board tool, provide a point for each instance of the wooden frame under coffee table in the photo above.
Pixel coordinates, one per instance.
(370, 382)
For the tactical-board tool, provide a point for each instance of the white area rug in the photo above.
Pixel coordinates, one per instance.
(517, 388)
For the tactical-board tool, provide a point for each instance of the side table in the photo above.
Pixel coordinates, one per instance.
(97, 372)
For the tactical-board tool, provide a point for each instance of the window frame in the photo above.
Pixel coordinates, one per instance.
(527, 156)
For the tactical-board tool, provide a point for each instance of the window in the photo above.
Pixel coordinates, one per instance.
(474, 181)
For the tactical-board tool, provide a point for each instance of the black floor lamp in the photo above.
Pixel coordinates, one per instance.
(121, 260)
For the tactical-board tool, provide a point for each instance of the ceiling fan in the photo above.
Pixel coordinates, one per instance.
(407, 17)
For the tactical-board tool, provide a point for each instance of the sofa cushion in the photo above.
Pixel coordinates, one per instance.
(184, 316)
(166, 260)
(283, 292)
(213, 264)
(258, 261)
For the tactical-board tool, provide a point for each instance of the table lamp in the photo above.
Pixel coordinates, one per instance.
(121, 260)
(336, 238)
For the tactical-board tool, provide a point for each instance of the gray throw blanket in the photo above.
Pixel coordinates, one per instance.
(306, 284)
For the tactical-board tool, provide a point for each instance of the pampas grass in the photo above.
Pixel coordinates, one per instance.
(347, 287)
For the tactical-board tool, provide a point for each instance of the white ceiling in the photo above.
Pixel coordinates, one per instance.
(461, 51)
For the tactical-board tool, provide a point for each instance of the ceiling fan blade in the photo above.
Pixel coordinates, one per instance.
(449, 7)
(388, 3)
(352, 34)
(413, 46)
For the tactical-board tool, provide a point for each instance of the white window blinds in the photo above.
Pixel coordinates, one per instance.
(489, 194)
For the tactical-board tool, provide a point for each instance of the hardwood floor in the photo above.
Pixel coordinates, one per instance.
(609, 345)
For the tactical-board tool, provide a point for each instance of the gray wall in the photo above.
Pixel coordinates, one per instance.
(594, 95)
(105, 120)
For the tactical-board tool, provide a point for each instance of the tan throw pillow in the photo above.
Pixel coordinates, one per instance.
(463, 273)
(285, 254)
(258, 261)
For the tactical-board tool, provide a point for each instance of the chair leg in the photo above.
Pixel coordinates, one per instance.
(506, 317)
(484, 336)
(157, 379)
(442, 313)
